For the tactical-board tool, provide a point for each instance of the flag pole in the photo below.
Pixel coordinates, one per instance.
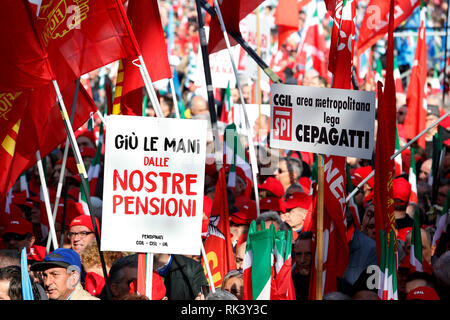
(209, 87)
(149, 86)
(319, 244)
(48, 208)
(396, 154)
(83, 175)
(253, 160)
(208, 269)
(174, 97)
(64, 160)
(149, 275)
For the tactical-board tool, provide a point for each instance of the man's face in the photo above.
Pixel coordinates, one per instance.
(425, 170)
(303, 254)
(4, 287)
(295, 217)
(240, 254)
(122, 288)
(235, 285)
(282, 174)
(401, 114)
(17, 241)
(59, 283)
(80, 237)
(368, 223)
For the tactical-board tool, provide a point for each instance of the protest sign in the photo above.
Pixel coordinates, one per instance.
(322, 120)
(153, 184)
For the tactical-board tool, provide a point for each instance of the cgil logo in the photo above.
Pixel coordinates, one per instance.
(282, 120)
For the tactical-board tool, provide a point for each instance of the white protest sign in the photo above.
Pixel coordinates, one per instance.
(153, 184)
(252, 114)
(248, 29)
(322, 120)
(221, 68)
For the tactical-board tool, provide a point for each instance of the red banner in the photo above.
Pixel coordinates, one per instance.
(376, 19)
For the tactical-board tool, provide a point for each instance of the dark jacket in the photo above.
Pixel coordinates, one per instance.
(184, 278)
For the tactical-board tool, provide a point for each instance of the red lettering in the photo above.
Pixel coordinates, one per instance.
(128, 202)
(149, 180)
(187, 209)
(141, 205)
(190, 179)
(176, 180)
(175, 205)
(117, 200)
(145, 161)
(141, 180)
(164, 175)
(154, 206)
(116, 177)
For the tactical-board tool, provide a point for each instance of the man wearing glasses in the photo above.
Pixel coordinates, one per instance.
(81, 232)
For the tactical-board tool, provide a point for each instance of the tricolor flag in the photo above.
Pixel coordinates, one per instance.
(234, 155)
(412, 178)
(415, 257)
(282, 287)
(258, 263)
(390, 291)
(226, 115)
(435, 84)
(314, 46)
(379, 72)
(397, 77)
(398, 158)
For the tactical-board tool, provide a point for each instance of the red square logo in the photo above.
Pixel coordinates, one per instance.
(282, 123)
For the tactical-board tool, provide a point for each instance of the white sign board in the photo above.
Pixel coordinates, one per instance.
(322, 120)
(252, 114)
(153, 184)
(221, 68)
(248, 29)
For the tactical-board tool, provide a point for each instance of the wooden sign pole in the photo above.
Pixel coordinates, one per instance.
(319, 242)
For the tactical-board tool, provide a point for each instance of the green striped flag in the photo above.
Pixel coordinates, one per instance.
(258, 276)
(398, 158)
(379, 72)
(234, 155)
(416, 258)
(390, 271)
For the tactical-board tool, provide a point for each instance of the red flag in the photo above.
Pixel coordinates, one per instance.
(146, 24)
(39, 127)
(84, 36)
(385, 147)
(376, 19)
(416, 95)
(218, 247)
(342, 43)
(335, 247)
(23, 63)
(286, 18)
(233, 11)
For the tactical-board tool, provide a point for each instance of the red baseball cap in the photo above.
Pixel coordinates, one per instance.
(273, 185)
(360, 174)
(422, 293)
(401, 189)
(73, 210)
(88, 152)
(84, 220)
(20, 198)
(36, 253)
(272, 203)
(299, 199)
(245, 215)
(18, 225)
(90, 134)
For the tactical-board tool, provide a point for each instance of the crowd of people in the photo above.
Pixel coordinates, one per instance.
(75, 270)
